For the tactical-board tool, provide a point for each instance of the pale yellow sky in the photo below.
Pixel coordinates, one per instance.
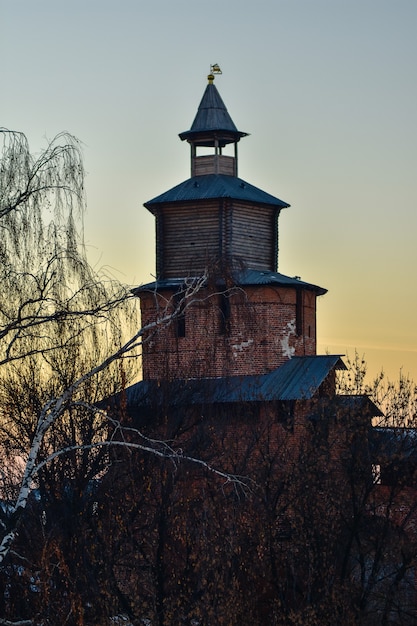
(327, 91)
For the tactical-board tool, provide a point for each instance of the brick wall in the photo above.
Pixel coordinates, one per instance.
(258, 329)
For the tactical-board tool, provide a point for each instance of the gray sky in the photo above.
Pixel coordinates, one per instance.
(327, 91)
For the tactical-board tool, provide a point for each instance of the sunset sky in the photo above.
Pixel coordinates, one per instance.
(327, 90)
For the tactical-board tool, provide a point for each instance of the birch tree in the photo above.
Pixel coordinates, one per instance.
(69, 337)
(59, 318)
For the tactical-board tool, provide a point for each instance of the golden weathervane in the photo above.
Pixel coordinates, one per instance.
(214, 69)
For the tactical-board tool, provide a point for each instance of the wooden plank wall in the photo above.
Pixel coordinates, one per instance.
(213, 164)
(190, 238)
(253, 235)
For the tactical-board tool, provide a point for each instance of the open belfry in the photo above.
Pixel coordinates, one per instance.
(221, 233)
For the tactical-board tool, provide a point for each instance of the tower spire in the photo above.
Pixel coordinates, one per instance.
(212, 128)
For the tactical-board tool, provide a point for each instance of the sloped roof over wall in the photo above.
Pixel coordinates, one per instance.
(297, 379)
(265, 277)
(393, 443)
(215, 186)
(242, 278)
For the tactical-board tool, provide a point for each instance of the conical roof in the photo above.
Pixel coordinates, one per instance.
(212, 122)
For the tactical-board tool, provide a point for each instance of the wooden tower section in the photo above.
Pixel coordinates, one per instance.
(215, 227)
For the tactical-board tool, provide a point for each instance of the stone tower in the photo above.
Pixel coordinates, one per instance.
(221, 232)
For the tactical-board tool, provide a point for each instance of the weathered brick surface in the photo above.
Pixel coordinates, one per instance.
(259, 335)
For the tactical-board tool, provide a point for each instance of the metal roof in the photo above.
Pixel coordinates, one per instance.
(297, 379)
(265, 277)
(398, 444)
(355, 404)
(213, 186)
(242, 278)
(212, 119)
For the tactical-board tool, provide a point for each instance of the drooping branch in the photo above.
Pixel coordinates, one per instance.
(56, 407)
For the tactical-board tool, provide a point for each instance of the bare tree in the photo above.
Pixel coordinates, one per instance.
(69, 337)
(59, 318)
(50, 294)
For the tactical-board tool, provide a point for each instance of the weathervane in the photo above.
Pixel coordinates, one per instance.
(214, 69)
